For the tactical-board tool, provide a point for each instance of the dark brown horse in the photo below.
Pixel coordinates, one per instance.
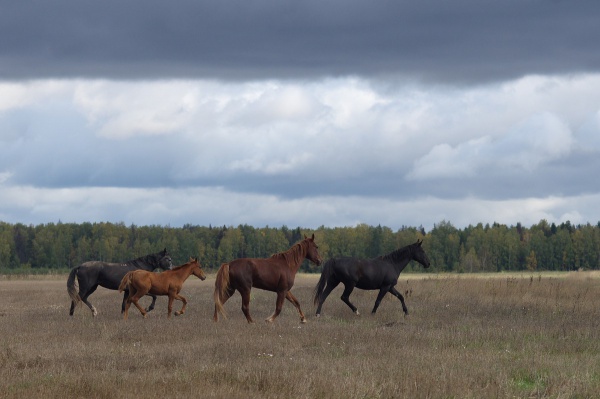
(380, 273)
(275, 274)
(169, 282)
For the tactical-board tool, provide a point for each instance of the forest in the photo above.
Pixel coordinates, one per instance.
(57, 247)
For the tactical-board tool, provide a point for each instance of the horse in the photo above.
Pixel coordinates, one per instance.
(169, 282)
(92, 274)
(274, 274)
(380, 273)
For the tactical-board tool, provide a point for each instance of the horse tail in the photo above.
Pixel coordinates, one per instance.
(221, 286)
(72, 285)
(325, 274)
(125, 281)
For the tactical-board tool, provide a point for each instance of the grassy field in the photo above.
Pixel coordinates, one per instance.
(517, 335)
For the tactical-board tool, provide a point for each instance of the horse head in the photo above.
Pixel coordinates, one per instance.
(418, 254)
(197, 270)
(165, 261)
(312, 252)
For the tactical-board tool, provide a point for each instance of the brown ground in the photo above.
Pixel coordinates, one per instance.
(466, 337)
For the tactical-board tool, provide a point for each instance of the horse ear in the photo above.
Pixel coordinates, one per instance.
(419, 242)
(305, 237)
(313, 237)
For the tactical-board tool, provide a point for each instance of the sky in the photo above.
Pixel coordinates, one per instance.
(300, 113)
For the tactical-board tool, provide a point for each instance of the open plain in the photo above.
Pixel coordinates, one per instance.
(467, 336)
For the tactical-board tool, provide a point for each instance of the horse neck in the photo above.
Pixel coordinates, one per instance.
(182, 272)
(399, 258)
(295, 255)
(144, 263)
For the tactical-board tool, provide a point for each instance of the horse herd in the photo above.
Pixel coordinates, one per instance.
(136, 278)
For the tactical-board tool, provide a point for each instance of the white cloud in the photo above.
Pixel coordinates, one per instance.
(355, 137)
(540, 139)
(218, 206)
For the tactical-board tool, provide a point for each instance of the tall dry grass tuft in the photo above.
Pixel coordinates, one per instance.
(467, 337)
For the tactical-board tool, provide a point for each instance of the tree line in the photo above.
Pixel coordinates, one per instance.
(481, 248)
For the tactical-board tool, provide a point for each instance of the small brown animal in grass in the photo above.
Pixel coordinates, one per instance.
(169, 282)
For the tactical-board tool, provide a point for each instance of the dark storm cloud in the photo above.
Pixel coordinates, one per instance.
(445, 41)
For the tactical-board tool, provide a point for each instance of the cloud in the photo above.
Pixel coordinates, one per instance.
(532, 143)
(338, 150)
(464, 41)
(219, 206)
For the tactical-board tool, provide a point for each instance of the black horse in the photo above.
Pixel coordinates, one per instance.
(379, 273)
(92, 274)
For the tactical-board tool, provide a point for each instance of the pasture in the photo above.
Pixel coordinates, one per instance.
(521, 335)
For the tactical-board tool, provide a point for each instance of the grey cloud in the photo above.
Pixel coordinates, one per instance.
(442, 41)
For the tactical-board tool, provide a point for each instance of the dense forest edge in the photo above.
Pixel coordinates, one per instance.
(57, 247)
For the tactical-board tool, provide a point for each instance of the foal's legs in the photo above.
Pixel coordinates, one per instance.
(290, 297)
(278, 305)
(346, 297)
(398, 295)
(330, 286)
(148, 309)
(382, 291)
(134, 296)
(172, 297)
(151, 307)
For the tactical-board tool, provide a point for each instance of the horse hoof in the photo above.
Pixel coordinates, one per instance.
(357, 313)
(177, 313)
(318, 315)
(303, 320)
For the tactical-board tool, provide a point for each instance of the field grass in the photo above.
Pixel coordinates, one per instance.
(517, 335)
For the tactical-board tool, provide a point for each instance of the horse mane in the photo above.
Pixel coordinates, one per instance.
(294, 255)
(181, 266)
(151, 259)
(397, 254)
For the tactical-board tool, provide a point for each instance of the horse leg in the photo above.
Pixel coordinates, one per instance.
(140, 308)
(170, 306)
(246, 304)
(330, 287)
(84, 299)
(398, 295)
(151, 307)
(278, 305)
(290, 297)
(134, 296)
(182, 299)
(346, 297)
(382, 291)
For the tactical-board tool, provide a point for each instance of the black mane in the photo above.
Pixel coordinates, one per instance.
(397, 254)
(152, 259)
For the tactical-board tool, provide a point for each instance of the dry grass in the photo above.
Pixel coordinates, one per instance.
(516, 336)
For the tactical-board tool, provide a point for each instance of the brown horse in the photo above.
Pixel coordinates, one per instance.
(275, 274)
(169, 282)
